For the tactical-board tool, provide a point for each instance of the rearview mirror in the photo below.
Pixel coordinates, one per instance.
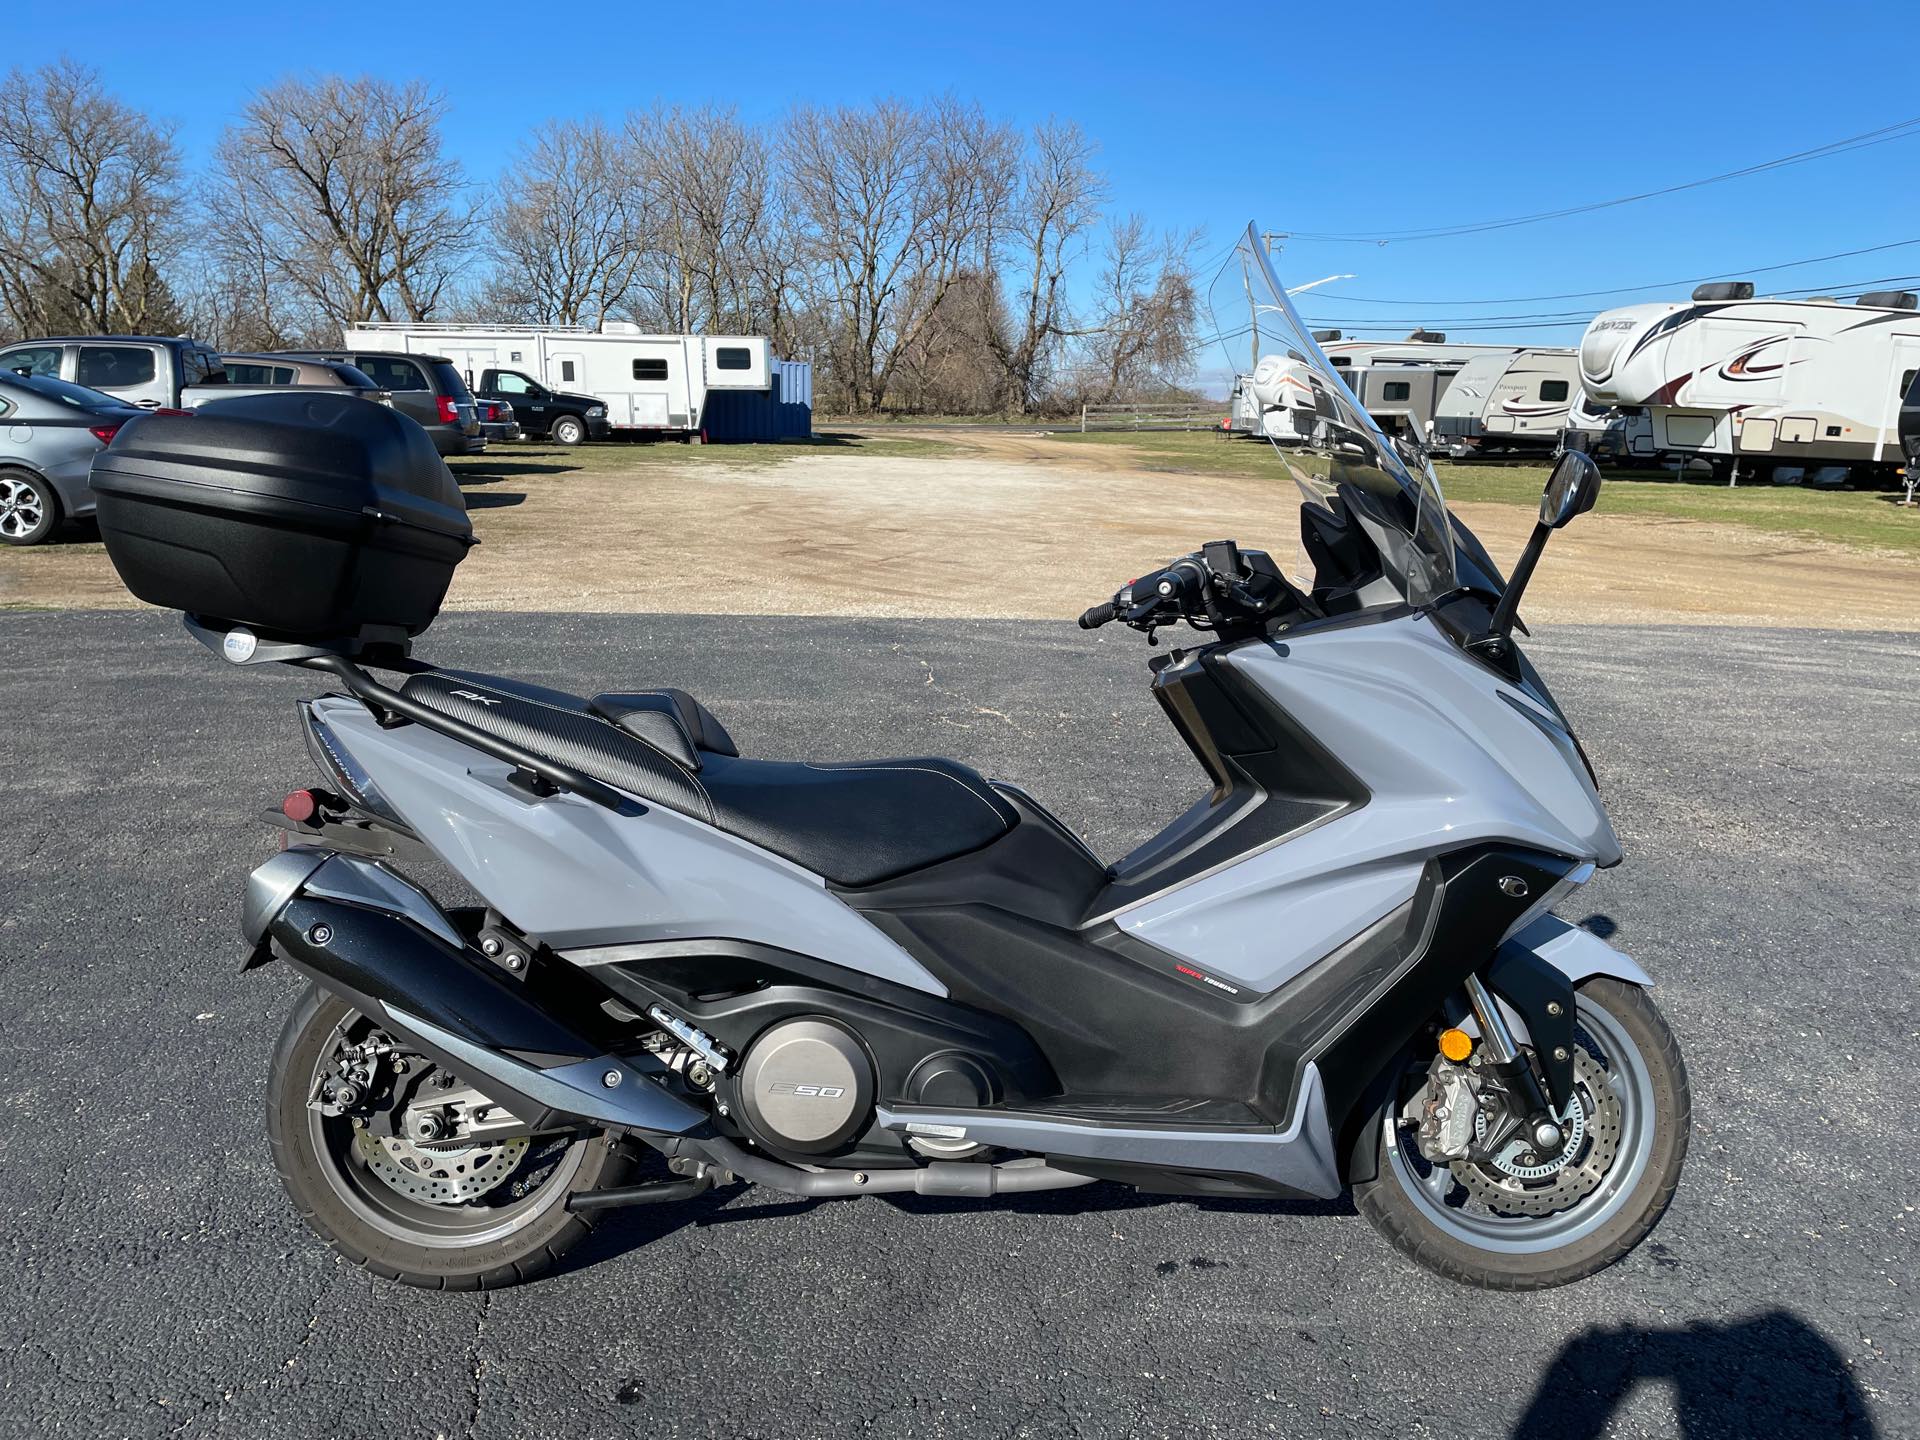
(1571, 489)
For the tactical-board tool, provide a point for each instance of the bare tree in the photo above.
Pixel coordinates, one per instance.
(894, 204)
(568, 233)
(719, 251)
(1043, 233)
(337, 191)
(1143, 335)
(91, 190)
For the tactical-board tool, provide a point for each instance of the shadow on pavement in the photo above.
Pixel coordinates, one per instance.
(495, 499)
(1772, 1375)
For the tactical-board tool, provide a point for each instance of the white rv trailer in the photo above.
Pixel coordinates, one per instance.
(1796, 388)
(648, 382)
(1607, 432)
(1507, 402)
(1400, 382)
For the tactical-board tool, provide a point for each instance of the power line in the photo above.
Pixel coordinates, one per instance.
(1900, 130)
(1837, 290)
(1740, 273)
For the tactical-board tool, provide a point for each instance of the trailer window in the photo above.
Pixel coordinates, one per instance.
(1396, 390)
(1553, 389)
(566, 372)
(733, 357)
(649, 369)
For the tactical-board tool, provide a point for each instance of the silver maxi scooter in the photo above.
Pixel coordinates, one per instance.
(688, 968)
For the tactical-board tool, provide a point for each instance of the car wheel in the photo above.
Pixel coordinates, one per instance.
(568, 430)
(29, 510)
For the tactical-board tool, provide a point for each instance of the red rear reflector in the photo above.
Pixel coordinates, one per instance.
(105, 433)
(300, 807)
(164, 410)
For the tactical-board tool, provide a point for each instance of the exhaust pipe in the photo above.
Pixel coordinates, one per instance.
(382, 945)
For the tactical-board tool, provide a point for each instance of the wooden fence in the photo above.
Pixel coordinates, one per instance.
(1175, 415)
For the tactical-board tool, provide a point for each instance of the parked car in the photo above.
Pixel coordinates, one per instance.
(497, 420)
(425, 388)
(49, 433)
(543, 413)
(149, 371)
(242, 375)
(272, 371)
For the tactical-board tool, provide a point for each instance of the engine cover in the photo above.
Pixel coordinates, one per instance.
(806, 1085)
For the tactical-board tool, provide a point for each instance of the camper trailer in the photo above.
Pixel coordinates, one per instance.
(649, 383)
(1610, 434)
(1504, 404)
(1786, 389)
(1400, 382)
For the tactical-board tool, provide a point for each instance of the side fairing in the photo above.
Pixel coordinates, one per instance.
(1452, 756)
(578, 876)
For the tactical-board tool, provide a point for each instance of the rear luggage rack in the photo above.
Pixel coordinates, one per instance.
(535, 772)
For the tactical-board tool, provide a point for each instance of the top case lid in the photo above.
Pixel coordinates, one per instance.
(334, 452)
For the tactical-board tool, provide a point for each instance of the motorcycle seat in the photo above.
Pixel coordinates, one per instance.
(852, 823)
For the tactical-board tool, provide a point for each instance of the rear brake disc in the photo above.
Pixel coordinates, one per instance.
(442, 1175)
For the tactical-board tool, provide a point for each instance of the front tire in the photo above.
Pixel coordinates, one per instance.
(569, 431)
(513, 1232)
(29, 509)
(1450, 1229)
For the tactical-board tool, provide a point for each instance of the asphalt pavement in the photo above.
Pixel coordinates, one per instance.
(158, 1281)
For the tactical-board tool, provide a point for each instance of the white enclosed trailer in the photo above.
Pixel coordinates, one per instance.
(1507, 402)
(657, 383)
(1801, 389)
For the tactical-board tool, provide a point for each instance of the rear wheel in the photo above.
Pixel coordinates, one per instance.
(445, 1214)
(1510, 1225)
(29, 510)
(569, 430)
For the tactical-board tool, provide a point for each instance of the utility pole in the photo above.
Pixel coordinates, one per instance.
(1267, 237)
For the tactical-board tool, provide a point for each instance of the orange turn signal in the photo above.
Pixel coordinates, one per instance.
(1456, 1045)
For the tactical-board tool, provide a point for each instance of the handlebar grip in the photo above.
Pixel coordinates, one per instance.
(1097, 616)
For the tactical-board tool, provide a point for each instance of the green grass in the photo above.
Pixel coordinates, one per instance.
(1863, 519)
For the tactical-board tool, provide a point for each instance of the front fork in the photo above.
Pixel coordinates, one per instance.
(1516, 1074)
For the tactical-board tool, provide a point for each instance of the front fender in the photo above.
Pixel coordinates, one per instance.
(1534, 974)
(1578, 954)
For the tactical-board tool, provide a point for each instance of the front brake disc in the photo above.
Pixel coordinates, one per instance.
(1576, 1175)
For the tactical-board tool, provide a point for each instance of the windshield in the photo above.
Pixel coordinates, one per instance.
(1343, 463)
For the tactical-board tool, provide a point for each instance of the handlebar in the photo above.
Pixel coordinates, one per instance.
(1220, 589)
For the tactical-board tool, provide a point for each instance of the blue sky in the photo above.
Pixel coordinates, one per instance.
(1359, 117)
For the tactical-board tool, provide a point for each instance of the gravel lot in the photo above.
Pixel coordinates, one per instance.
(161, 1283)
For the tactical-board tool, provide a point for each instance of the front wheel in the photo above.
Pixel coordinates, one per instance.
(1509, 1225)
(455, 1213)
(569, 431)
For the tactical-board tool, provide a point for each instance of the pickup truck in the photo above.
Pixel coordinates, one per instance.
(174, 373)
(543, 413)
(149, 371)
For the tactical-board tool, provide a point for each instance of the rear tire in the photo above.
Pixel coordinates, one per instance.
(568, 431)
(398, 1238)
(1520, 1253)
(29, 508)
